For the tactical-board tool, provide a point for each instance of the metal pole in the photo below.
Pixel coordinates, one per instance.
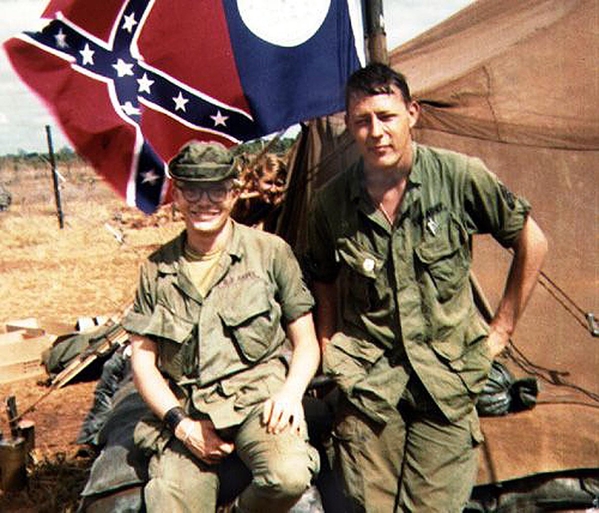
(54, 177)
(377, 38)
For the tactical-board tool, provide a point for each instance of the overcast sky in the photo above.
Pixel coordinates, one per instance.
(23, 117)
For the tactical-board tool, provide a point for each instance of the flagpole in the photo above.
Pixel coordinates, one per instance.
(375, 26)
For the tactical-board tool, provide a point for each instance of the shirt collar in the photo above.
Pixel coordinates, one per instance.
(235, 246)
(171, 265)
(415, 177)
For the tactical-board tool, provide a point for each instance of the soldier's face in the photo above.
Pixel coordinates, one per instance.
(206, 208)
(381, 125)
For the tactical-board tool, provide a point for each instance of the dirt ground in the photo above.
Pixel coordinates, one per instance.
(58, 276)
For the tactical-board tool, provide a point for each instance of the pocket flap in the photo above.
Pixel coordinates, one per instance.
(447, 240)
(357, 348)
(167, 324)
(244, 303)
(469, 336)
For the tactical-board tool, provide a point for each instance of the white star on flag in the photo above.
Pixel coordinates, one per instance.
(180, 102)
(149, 176)
(129, 22)
(219, 119)
(122, 68)
(88, 55)
(61, 39)
(144, 84)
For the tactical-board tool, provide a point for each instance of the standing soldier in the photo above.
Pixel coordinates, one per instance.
(389, 252)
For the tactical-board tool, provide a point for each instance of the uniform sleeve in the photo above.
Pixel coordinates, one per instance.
(293, 294)
(138, 318)
(320, 258)
(491, 207)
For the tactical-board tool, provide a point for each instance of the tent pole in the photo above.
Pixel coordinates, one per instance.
(375, 27)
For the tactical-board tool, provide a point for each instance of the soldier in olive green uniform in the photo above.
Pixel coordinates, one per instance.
(217, 311)
(389, 252)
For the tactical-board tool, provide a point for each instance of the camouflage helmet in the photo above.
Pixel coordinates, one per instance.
(203, 162)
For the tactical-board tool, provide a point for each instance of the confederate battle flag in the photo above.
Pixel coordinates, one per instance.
(130, 81)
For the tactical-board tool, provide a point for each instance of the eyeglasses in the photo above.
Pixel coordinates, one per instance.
(193, 193)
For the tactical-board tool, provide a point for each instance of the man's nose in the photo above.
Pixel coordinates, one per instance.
(204, 199)
(376, 127)
(201, 198)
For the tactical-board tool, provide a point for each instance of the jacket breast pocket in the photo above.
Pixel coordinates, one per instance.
(444, 256)
(251, 321)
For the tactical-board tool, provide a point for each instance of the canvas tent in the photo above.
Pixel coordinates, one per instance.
(516, 84)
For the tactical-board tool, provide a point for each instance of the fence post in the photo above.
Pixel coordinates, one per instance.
(54, 178)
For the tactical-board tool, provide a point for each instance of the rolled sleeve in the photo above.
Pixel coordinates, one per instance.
(138, 319)
(294, 295)
(492, 207)
(136, 323)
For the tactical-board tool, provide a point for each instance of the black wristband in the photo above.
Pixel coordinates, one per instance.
(173, 417)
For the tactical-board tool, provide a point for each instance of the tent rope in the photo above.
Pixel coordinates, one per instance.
(563, 299)
(551, 376)
(568, 304)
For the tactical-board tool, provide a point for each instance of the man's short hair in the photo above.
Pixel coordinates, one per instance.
(376, 78)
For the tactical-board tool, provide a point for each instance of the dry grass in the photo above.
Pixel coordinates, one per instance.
(80, 270)
(57, 276)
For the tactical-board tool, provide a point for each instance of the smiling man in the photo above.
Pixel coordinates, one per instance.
(389, 254)
(213, 312)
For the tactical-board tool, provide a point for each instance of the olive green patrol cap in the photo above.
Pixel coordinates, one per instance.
(203, 162)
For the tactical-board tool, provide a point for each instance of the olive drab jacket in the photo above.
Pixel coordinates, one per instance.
(227, 347)
(405, 301)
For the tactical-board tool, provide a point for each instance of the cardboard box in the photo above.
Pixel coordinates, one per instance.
(22, 359)
(12, 336)
(30, 326)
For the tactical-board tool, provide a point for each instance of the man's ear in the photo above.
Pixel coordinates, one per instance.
(413, 112)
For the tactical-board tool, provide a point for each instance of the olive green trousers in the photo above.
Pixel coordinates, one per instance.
(282, 467)
(417, 462)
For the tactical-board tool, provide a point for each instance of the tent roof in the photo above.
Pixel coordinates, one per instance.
(510, 71)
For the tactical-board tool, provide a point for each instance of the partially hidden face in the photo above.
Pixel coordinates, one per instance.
(271, 184)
